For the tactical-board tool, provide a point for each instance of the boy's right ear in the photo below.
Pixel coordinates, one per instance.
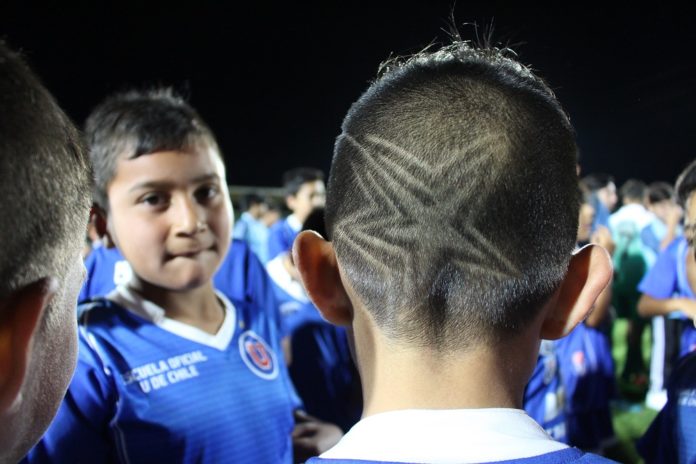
(98, 216)
(589, 272)
(316, 263)
(20, 318)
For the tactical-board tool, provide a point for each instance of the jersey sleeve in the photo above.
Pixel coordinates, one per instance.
(80, 430)
(277, 242)
(660, 281)
(240, 230)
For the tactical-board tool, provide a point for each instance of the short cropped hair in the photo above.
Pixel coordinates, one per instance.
(659, 191)
(597, 181)
(250, 200)
(295, 178)
(633, 189)
(453, 197)
(686, 184)
(137, 123)
(45, 180)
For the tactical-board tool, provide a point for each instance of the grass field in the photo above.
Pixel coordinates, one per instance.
(630, 416)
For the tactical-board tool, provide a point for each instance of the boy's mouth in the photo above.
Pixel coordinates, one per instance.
(189, 253)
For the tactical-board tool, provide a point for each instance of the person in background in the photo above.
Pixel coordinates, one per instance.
(250, 227)
(304, 191)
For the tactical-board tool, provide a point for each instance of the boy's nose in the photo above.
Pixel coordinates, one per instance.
(188, 218)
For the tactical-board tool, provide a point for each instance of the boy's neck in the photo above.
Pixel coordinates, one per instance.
(397, 377)
(198, 307)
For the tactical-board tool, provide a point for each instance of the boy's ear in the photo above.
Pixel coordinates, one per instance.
(20, 317)
(98, 216)
(316, 263)
(589, 272)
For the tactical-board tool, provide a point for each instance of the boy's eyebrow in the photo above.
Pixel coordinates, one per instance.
(165, 184)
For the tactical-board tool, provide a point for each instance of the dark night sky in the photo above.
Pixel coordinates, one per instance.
(275, 80)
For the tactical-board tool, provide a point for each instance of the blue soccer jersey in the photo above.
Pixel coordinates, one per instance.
(587, 374)
(151, 389)
(668, 279)
(106, 269)
(322, 370)
(281, 236)
(241, 275)
(544, 396)
(672, 436)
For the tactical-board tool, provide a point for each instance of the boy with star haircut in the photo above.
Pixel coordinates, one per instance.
(452, 213)
(170, 369)
(45, 183)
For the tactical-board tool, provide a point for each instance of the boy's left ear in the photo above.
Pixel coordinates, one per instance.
(20, 317)
(316, 263)
(589, 272)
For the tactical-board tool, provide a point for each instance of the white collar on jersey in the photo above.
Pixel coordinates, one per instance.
(282, 278)
(135, 303)
(445, 436)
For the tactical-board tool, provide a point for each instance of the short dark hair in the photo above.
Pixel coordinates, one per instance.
(453, 197)
(137, 123)
(295, 178)
(251, 199)
(45, 180)
(633, 189)
(659, 191)
(686, 183)
(597, 181)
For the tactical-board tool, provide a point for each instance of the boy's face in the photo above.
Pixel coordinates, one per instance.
(690, 221)
(310, 195)
(171, 217)
(607, 195)
(585, 221)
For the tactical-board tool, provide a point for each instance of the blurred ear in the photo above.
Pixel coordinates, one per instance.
(316, 264)
(20, 318)
(589, 272)
(99, 218)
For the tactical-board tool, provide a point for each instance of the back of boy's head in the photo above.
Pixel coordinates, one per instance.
(686, 184)
(137, 123)
(295, 178)
(453, 197)
(659, 191)
(632, 190)
(45, 180)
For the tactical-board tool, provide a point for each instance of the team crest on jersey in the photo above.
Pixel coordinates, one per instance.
(258, 356)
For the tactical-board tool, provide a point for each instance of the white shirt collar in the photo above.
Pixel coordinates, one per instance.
(137, 304)
(294, 223)
(445, 436)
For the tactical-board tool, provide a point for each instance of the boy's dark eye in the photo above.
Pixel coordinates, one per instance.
(153, 199)
(206, 192)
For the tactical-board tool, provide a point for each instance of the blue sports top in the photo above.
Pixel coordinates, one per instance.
(151, 389)
(280, 237)
(672, 436)
(668, 279)
(543, 395)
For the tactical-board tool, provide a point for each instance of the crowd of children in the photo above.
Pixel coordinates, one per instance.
(446, 297)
